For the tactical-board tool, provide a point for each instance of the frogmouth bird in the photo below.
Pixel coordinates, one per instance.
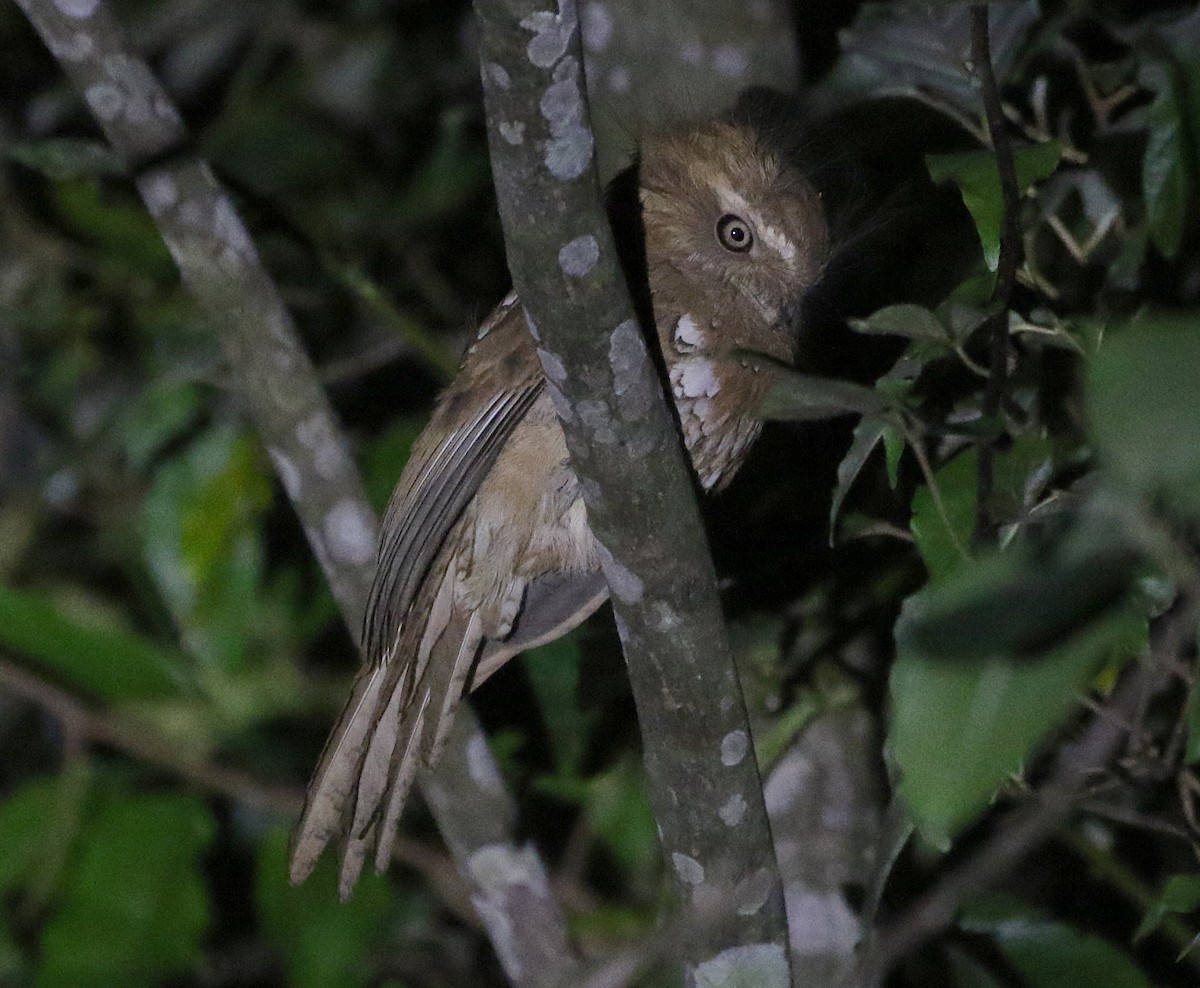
(485, 548)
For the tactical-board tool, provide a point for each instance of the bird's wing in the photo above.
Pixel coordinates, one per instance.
(448, 464)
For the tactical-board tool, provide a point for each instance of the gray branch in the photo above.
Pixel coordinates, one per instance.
(220, 266)
(704, 780)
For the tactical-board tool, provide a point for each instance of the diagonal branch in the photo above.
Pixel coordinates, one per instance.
(639, 495)
(219, 265)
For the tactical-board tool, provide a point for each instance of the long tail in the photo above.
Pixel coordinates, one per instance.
(397, 718)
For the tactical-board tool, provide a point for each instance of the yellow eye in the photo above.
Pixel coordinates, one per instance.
(734, 233)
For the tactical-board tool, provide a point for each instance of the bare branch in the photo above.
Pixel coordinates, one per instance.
(219, 264)
(639, 495)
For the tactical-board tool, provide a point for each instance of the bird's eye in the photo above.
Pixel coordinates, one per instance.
(734, 233)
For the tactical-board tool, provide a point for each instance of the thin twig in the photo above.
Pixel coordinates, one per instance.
(89, 726)
(1006, 274)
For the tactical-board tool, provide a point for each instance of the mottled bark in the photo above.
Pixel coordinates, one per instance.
(624, 446)
(220, 266)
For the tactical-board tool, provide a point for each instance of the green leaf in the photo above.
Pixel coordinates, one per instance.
(554, 674)
(867, 435)
(126, 234)
(1181, 894)
(1145, 421)
(324, 943)
(797, 397)
(1192, 751)
(25, 818)
(67, 158)
(618, 809)
(978, 178)
(943, 534)
(101, 660)
(135, 908)
(156, 416)
(1166, 183)
(894, 442)
(958, 685)
(912, 321)
(204, 544)
(1048, 953)
(1018, 603)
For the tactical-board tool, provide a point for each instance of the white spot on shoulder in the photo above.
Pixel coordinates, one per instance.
(597, 26)
(349, 533)
(734, 746)
(577, 257)
(687, 334)
(695, 378)
(763, 965)
(688, 868)
(733, 811)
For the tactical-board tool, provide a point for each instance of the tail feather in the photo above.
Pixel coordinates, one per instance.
(449, 666)
(337, 775)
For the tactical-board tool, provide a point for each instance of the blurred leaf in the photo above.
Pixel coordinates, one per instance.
(968, 972)
(384, 458)
(894, 442)
(1144, 417)
(101, 660)
(966, 711)
(135, 908)
(246, 144)
(1165, 179)
(1017, 603)
(67, 158)
(201, 535)
(867, 435)
(1181, 894)
(1051, 954)
(154, 417)
(554, 674)
(1192, 752)
(324, 943)
(943, 539)
(912, 321)
(456, 170)
(913, 49)
(978, 178)
(797, 397)
(126, 234)
(619, 812)
(25, 816)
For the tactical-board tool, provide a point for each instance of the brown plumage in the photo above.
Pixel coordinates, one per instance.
(485, 548)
